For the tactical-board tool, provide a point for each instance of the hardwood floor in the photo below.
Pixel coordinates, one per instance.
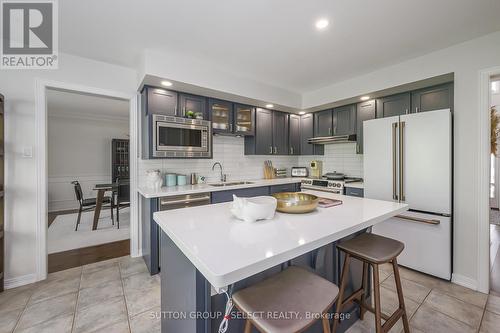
(78, 257)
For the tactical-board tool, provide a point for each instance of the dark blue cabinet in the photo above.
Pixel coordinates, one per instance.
(432, 98)
(344, 120)
(354, 192)
(323, 123)
(193, 103)
(227, 196)
(295, 187)
(365, 111)
(307, 132)
(160, 101)
(395, 105)
(221, 114)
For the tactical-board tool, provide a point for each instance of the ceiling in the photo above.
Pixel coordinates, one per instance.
(274, 41)
(80, 105)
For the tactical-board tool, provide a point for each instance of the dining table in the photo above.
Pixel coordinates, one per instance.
(101, 190)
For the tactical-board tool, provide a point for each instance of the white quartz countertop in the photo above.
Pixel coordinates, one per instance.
(199, 188)
(226, 250)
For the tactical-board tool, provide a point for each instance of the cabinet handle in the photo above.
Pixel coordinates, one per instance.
(291, 150)
(402, 161)
(335, 130)
(416, 109)
(230, 127)
(394, 165)
(418, 219)
(406, 111)
(270, 150)
(275, 149)
(175, 110)
(329, 131)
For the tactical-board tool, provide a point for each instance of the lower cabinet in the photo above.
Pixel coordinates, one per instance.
(354, 192)
(227, 196)
(284, 188)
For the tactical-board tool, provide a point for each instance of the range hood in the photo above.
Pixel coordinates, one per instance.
(324, 140)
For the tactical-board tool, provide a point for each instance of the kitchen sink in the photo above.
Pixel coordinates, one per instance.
(230, 184)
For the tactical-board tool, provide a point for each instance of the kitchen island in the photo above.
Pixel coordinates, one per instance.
(205, 250)
(174, 197)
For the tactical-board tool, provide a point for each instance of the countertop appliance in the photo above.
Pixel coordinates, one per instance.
(316, 169)
(177, 137)
(408, 158)
(300, 172)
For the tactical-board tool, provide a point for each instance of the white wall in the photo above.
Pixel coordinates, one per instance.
(18, 87)
(466, 60)
(79, 148)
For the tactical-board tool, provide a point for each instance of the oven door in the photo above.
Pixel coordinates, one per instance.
(181, 138)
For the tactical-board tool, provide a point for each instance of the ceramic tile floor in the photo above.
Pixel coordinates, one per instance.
(435, 306)
(119, 295)
(111, 296)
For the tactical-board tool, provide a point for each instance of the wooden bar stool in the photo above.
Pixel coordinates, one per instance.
(294, 290)
(372, 250)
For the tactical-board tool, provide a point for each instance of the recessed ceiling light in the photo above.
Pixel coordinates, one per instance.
(166, 83)
(269, 106)
(302, 112)
(365, 98)
(321, 24)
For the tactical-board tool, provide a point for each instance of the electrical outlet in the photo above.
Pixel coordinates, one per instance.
(28, 152)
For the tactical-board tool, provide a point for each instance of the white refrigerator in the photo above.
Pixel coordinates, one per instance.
(408, 159)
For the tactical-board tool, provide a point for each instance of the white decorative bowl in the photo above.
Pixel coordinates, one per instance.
(254, 209)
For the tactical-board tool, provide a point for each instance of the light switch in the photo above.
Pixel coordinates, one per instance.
(28, 152)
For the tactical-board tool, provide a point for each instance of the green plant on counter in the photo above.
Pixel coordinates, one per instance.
(190, 114)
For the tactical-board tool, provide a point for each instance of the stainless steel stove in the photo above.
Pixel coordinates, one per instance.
(328, 185)
(333, 186)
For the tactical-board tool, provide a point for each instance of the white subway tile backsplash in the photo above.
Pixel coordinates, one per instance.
(229, 151)
(340, 157)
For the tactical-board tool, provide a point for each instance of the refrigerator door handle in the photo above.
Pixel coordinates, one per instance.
(394, 161)
(401, 161)
(418, 219)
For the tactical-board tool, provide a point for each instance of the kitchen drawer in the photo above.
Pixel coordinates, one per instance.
(284, 188)
(354, 192)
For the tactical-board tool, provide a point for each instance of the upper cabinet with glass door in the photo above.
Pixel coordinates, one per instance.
(244, 119)
(222, 115)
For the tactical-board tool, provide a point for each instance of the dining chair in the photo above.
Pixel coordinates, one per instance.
(89, 203)
(122, 197)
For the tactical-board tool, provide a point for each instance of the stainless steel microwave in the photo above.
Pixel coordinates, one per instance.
(177, 137)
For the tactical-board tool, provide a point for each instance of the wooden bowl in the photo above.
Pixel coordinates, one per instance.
(296, 202)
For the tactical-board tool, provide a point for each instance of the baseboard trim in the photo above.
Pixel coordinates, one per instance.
(464, 281)
(20, 281)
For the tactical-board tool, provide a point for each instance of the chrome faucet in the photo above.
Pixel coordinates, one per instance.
(222, 176)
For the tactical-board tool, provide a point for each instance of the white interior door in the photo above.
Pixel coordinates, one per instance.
(380, 157)
(426, 143)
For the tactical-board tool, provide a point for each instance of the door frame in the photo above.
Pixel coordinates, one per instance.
(483, 183)
(41, 86)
